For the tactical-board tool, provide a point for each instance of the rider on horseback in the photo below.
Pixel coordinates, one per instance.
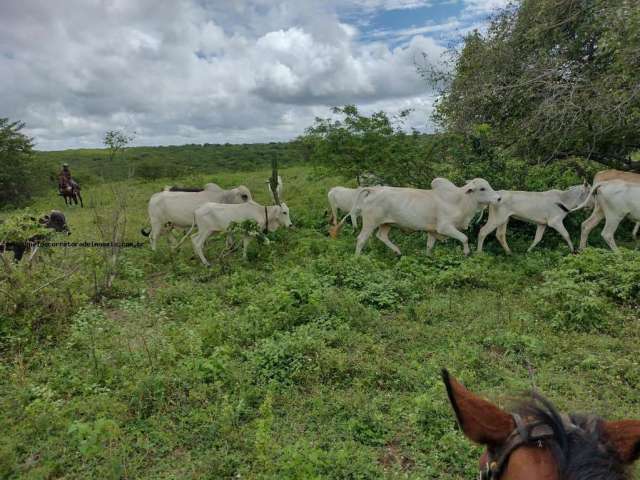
(68, 187)
(64, 177)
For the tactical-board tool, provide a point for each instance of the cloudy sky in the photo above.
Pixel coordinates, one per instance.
(195, 71)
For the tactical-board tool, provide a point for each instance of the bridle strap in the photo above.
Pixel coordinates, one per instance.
(523, 434)
(521, 428)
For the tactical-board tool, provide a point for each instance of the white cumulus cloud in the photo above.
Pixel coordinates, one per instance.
(182, 71)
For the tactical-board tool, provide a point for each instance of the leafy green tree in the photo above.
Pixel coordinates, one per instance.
(116, 141)
(356, 143)
(553, 79)
(16, 174)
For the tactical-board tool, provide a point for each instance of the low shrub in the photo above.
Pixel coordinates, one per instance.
(581, 293)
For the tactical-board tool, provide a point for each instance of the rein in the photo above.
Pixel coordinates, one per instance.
(524, 434)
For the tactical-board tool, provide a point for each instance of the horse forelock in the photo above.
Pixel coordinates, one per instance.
(578, 446)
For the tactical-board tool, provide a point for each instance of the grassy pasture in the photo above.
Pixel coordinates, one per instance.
(302, 362)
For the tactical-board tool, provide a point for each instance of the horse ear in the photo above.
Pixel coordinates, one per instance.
(624, 436)
(481, 421)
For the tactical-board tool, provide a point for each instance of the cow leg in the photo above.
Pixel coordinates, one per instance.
(354, 221)
(495, 220)
(558, 226)
(501, 235)
(198, 240)
(539, 233)
(634, 234)
(589, 224)
(487, 228)
(156, 231)
(451, 231)
(365, 233)
(610, 227)
(431, 241)
(334, 215)
(383, 236)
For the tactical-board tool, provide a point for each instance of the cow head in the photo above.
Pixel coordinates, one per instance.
(56, 221)
(481, 191)
(241, 194)
(582, 193)
(281, 217)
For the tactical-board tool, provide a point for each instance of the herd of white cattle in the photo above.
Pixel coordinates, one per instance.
(445, 211)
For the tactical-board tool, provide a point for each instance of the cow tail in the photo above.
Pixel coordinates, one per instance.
(593, 192)
(355, 209)
(146, 231)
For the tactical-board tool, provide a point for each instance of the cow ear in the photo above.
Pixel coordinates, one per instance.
(624, 436)
(481, 421)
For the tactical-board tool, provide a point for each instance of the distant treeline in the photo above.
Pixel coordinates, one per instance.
(93, 165)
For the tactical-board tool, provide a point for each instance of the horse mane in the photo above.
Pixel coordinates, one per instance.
(581, 453)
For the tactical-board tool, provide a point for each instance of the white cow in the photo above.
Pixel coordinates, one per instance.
(343, 198)
(542, 208)
(169, 209)
(278, 190)
(216, 217)
(441, 212)
(614, 200)
(613, 174)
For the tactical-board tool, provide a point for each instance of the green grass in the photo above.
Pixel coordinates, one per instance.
(302, 362)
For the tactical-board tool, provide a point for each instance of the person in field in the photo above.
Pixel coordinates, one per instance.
(68, 188)
(64, 177)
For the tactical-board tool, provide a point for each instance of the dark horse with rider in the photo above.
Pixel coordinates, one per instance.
(68, 188)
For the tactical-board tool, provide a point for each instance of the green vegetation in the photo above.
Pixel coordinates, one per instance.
(301, 362)
(92, 166)
(553, 79)
(16, 169)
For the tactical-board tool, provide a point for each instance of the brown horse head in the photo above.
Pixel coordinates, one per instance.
(537, 442)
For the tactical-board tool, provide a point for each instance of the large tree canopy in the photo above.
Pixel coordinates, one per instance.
(15, 167)
(553, 79)
(355, 144)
